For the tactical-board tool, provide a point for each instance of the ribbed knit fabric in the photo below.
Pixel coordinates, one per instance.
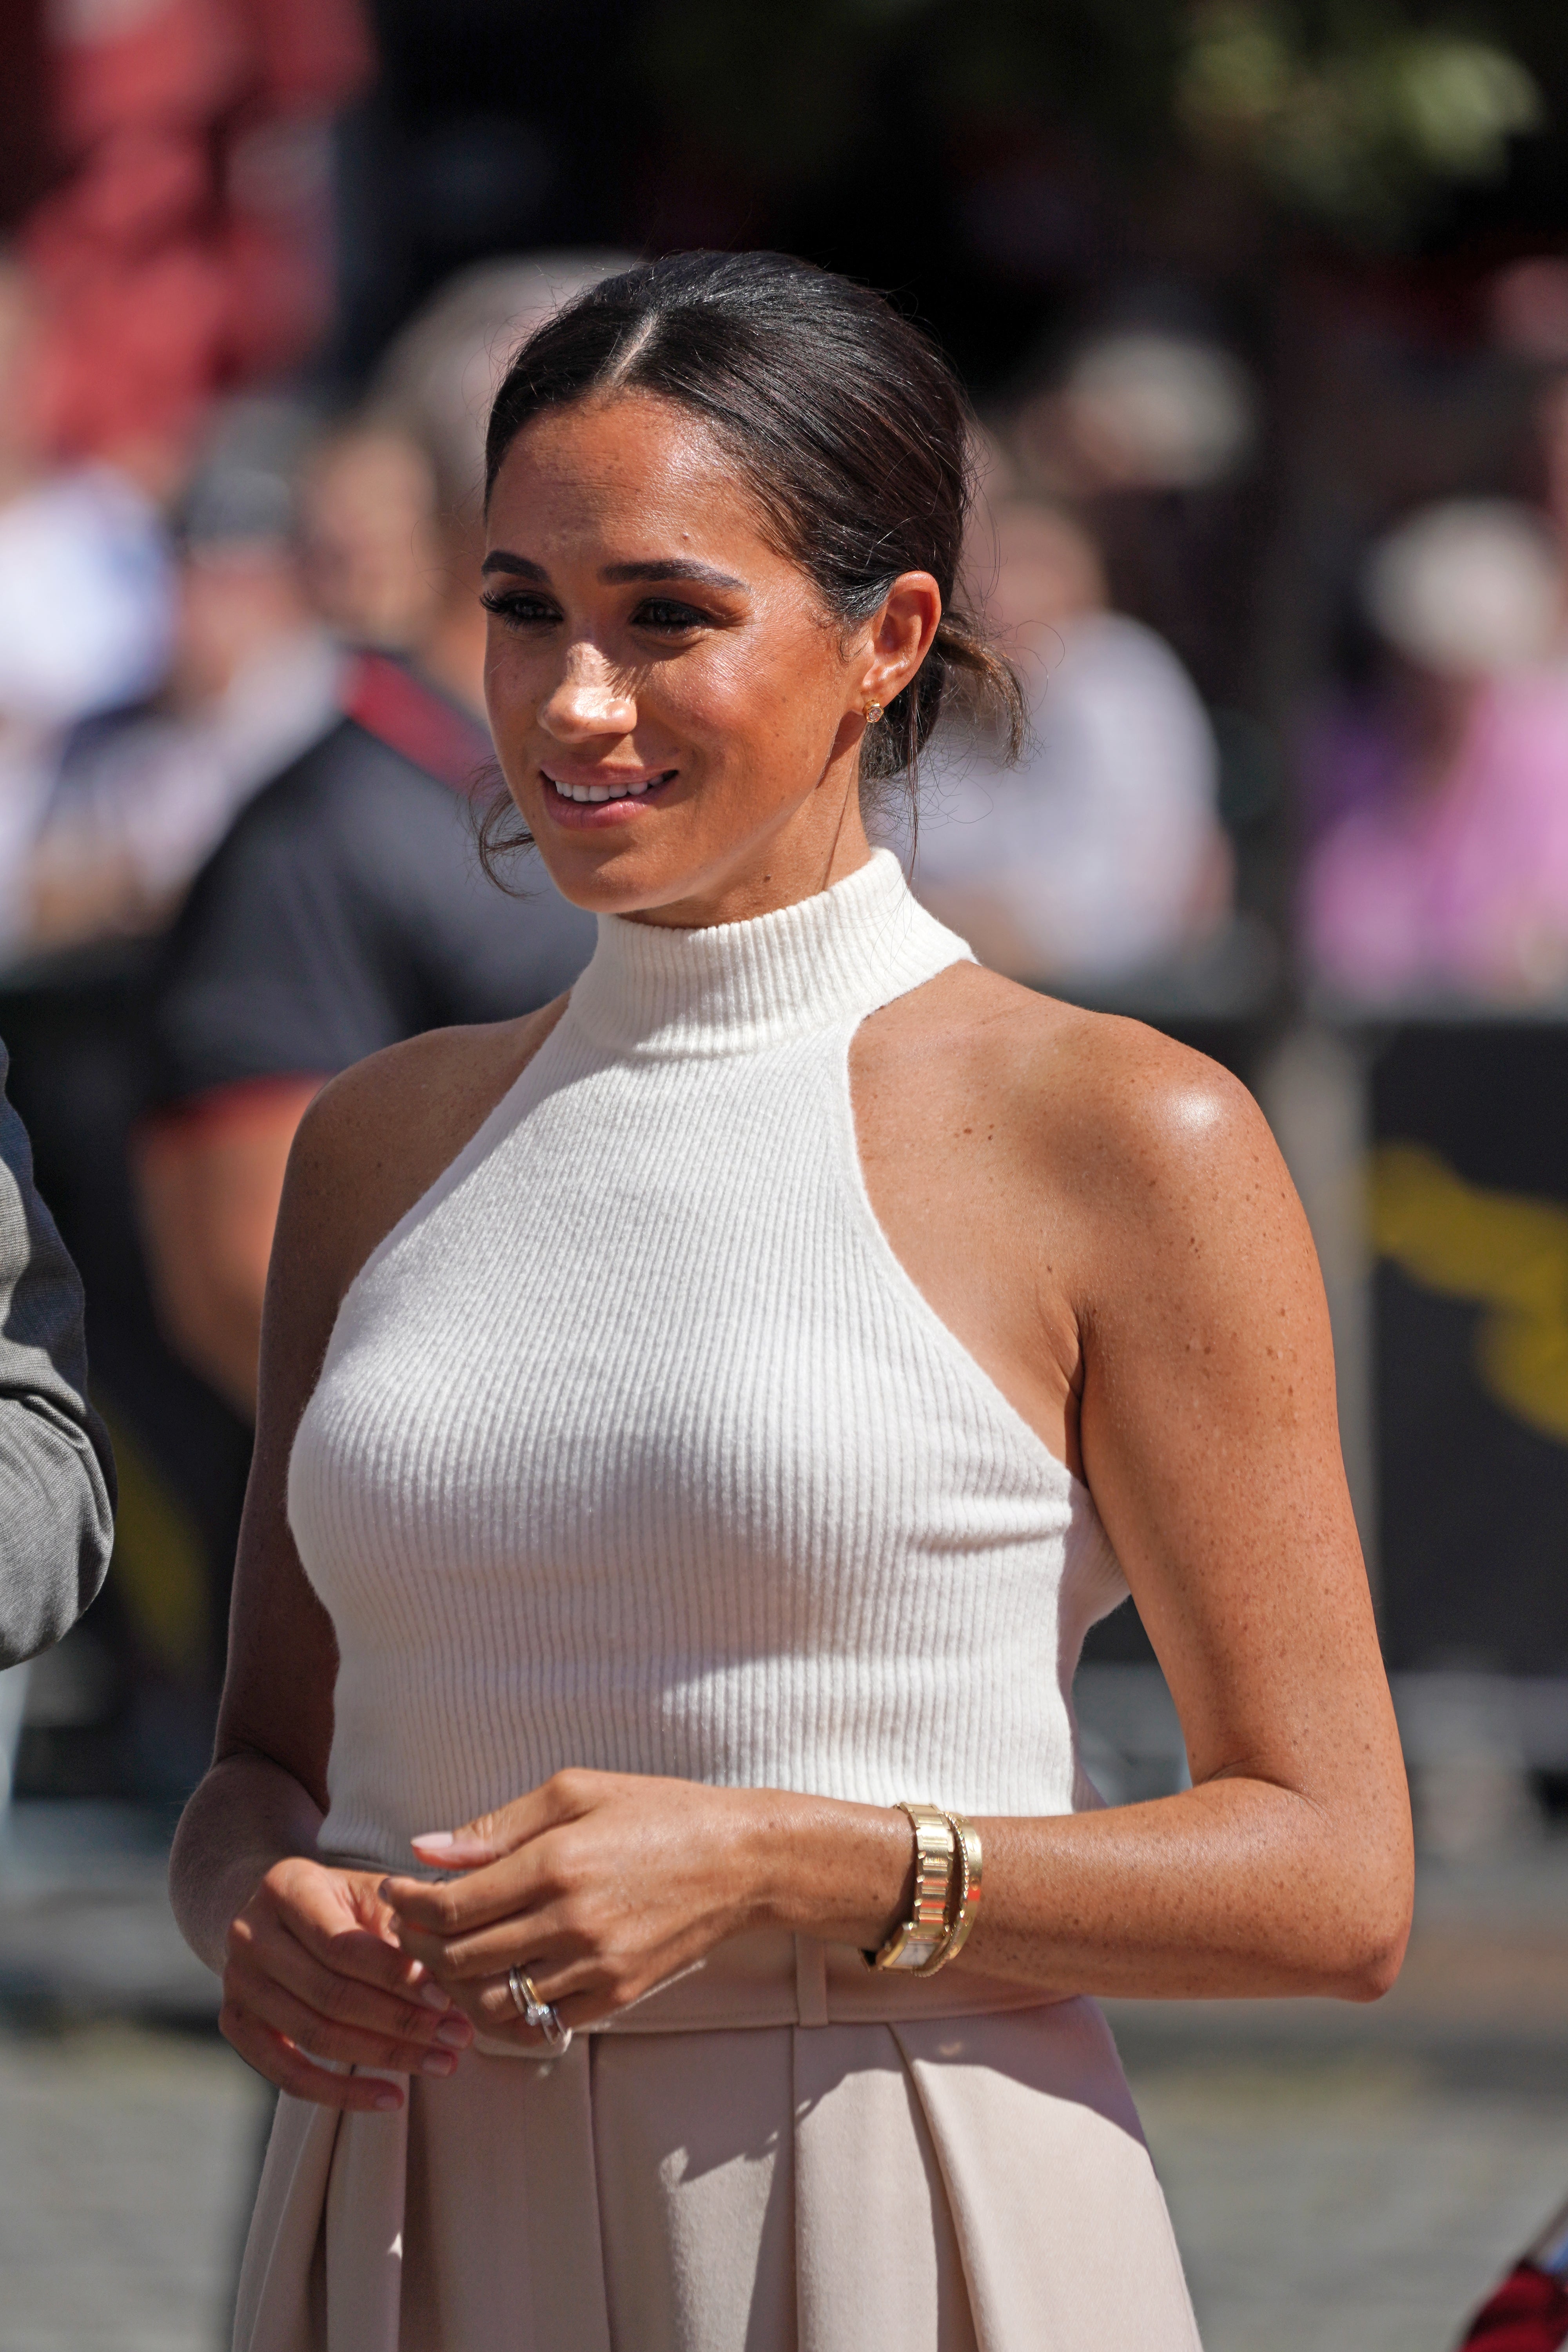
(635, 1446)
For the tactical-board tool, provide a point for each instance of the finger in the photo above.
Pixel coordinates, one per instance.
(455, 1906)
(489, 1835)
(338, 2041)
(491, 1951)
(490, 1892)
(278, 2062)
(483, 1840)
(370, 1958)
(266, 1953)
(575, 2003)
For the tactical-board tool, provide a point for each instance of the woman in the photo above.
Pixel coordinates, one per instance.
(701, 1417)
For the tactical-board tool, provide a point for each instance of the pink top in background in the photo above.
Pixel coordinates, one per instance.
(1458, 887)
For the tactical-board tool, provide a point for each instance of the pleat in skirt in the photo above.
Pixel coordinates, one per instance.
(753, 2160)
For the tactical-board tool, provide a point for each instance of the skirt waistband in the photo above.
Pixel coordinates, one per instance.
(772, 1978)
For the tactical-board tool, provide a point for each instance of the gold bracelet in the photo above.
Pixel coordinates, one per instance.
(917, 1940)
(966, 1907)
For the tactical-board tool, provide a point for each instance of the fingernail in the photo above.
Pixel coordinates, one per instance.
(457, 2033)
(438, 2062)
(435, 1837)
(431, 1994)
(388, 2099)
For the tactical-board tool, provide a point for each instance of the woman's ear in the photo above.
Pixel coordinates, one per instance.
(902, 631)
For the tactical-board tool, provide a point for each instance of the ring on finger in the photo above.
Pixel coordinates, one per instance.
(541, 2016)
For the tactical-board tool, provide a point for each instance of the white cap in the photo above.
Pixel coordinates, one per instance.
(1467, 587)
(1160, 411)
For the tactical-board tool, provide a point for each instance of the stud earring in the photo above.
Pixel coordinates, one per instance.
(873, 712)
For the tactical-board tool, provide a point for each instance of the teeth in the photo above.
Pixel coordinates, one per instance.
(607, 792)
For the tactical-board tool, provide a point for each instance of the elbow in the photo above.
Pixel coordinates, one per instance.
(56, 1558)
(1373, 1936)
(1374, 1970)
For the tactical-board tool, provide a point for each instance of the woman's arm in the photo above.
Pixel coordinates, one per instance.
(311, 1971)
(1210, 1442)
(312, 1979)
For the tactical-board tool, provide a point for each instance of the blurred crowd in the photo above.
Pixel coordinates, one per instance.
(164, 653)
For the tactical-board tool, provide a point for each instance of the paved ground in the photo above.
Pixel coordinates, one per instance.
(1341, 2181)
(126, 2159)
(1346, 2205)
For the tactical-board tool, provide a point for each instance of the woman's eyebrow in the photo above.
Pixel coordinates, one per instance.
(499, 560)
(672, 567)
(616, 575)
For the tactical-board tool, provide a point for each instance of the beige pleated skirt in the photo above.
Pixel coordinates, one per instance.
(779, 2152)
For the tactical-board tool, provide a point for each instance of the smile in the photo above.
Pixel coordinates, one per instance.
(632, 789)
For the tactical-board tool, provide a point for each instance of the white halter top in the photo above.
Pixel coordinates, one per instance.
(636, 1447)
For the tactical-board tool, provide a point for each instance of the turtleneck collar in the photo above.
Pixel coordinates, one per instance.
(738, 988)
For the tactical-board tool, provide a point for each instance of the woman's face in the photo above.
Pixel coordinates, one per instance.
(676, 717)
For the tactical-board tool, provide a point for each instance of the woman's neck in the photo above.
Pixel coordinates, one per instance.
(815, 847)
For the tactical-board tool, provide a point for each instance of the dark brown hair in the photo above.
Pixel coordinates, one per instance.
(848, 424)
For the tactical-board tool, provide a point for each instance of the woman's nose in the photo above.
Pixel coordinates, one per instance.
(588, 700)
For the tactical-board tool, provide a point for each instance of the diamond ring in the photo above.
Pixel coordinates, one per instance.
(541, 2015)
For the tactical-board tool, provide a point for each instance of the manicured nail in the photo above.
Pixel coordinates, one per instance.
(431, 1994)
(388, 2099)
(438, 2062)
(457, 2033)
(434, 1838)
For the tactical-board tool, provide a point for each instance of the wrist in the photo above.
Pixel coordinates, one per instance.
(245, 1817)
(824, 1867)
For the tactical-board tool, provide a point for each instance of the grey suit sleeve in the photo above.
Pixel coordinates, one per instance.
(57, 1473)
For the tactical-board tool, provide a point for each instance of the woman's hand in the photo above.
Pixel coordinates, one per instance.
(314, 1980)
(598, 1885)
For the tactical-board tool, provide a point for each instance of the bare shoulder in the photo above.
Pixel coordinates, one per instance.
(379, 1135)
(1114, 1115)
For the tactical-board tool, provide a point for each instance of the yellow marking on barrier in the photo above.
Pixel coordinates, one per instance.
(1505, 1252)
(157, 1559)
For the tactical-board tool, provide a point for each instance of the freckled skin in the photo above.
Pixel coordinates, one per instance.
(1098, 1214)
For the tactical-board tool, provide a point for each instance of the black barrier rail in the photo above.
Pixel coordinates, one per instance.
(1431, 1148)
(1466, 1214)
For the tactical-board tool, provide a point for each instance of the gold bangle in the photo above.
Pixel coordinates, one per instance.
(915, 1941)
(966, 1908)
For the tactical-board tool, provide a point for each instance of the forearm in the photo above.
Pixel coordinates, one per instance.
(247, 1813)
(1238, 1887)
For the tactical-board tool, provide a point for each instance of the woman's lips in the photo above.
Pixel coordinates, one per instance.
(578, 801)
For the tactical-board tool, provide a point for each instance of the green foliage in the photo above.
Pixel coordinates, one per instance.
(1349, 111)
(1353, 127)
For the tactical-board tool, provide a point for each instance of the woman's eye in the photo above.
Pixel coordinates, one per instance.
(663, 614)
(519, 609)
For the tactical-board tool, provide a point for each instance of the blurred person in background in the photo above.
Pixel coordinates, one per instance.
(1147, 428)
(371, 537)
(345, 909)
(255, 677)
(1103, 853)
(86, 596)
(1438, 799)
